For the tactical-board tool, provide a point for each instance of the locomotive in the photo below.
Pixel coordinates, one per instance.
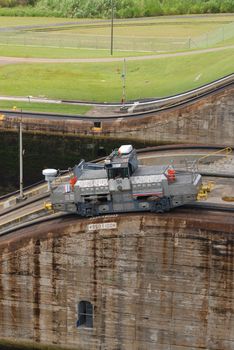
(120, 184)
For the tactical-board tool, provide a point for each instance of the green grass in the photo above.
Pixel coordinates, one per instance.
(159, 27)
(227, 42)
(49, 52)
(200, 20)
(9, 21)
(157, 34)
(102, 81)
(44, 107)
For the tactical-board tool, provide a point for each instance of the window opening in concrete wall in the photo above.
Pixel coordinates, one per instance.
(97, 124)
(85, 314)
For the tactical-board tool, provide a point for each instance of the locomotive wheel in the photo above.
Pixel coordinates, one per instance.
(159, 209)
(161, 206)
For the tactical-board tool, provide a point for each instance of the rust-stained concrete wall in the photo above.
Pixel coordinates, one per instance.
(156, 282)
(208, 120)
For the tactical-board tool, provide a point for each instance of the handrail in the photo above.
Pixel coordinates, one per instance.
(227, 150)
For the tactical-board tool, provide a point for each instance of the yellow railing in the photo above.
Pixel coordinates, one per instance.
(224, 151)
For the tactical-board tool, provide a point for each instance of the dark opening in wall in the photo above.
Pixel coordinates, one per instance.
(85, 314)
(97, 124)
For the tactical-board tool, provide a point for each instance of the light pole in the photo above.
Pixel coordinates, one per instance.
(21, 196)
(112, 26)
(21, 154)
(124, 82)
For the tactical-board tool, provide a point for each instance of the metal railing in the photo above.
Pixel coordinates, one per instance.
(129, 43)
(186, 96)
(209, 39)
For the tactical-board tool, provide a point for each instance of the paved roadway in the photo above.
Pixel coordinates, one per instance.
(81, 22)
(15, 60)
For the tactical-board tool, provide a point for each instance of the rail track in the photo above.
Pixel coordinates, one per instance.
(7, 195)
(33, 222)
(24, 203)
(22, 219)
(44, 219)
(138, 108)
(139, 151)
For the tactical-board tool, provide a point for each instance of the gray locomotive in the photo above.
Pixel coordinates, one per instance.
(122, 185)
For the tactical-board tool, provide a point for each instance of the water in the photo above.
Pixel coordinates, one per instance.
(42, 151)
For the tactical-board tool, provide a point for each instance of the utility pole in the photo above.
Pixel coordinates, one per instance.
(112, 26)
(21, 196)
(124, 82)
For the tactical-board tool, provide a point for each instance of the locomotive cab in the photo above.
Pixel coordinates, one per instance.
(120, 166)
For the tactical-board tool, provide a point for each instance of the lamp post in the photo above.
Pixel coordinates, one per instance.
(21, 196)
(112, 26)
(124, 82)
(21, 154)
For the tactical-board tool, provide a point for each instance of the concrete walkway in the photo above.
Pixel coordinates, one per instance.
(15, 60)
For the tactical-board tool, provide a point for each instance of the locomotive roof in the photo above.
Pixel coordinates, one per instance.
(119, 158)
(142, 170)
(93, 174)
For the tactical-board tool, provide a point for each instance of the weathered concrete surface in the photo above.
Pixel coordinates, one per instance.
(156, 282)
(208, 120)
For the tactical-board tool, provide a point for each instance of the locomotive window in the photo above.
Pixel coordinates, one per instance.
(130, 169)
(116, 173)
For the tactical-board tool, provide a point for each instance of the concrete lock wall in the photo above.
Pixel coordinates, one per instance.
(208, 120)
(154, 281)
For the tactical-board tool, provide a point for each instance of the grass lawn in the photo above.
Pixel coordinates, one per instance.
(102, 81)
(49, 52)
(173, 28)
(6, 21)
(158, 34)
(44, 107)
(227, 42)
(183, 26)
